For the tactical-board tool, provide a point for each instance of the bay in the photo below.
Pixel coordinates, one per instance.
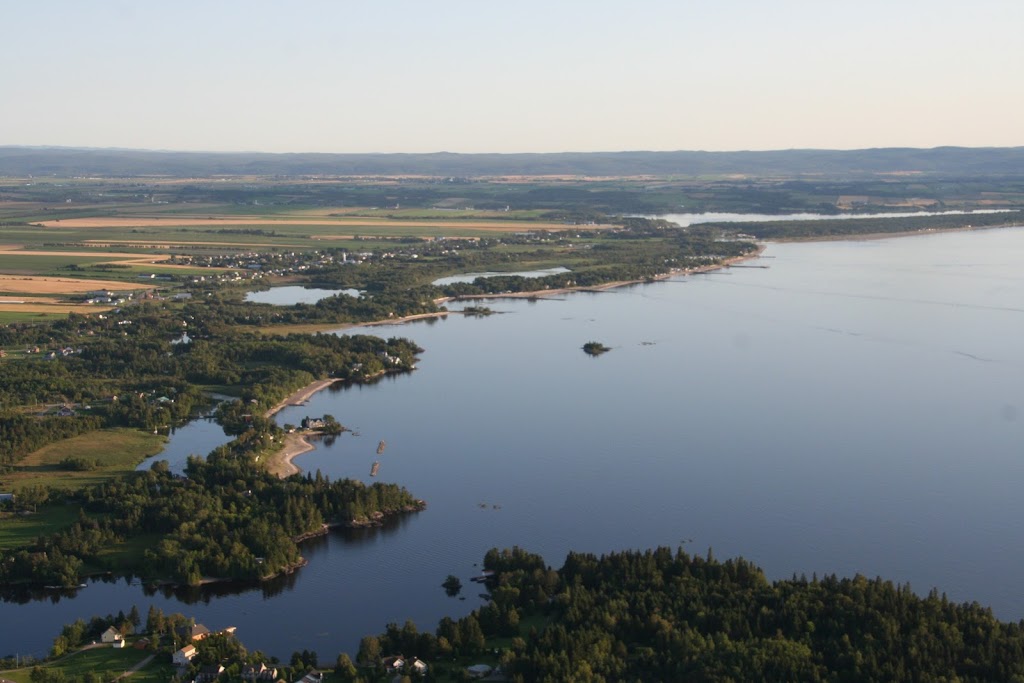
(854, 407)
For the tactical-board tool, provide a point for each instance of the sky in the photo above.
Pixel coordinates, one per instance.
(513, 76)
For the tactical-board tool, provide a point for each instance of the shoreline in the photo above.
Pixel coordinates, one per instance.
(547, 293)
(281, 464)
(301, 395)
(296, 444)
(395, 321)
(871, 236)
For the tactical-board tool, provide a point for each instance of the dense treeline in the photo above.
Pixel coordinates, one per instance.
(21, 434)
(228, 519)
(669, 616)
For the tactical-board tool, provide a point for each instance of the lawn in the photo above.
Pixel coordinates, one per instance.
(106, 661)
(117, 452)
(19, 530)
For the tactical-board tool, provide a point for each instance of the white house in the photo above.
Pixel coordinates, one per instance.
(183, 656)
(111, 635)
(118, 644)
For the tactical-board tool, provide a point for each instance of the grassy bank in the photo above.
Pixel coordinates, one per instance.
(105, 661)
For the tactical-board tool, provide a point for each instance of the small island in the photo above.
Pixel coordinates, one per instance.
(594, 348)
(477, 311)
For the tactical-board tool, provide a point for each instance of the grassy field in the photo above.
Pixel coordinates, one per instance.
(118, 452)
(155, 672)
(105, 660)
(24, 316)
(19, 530)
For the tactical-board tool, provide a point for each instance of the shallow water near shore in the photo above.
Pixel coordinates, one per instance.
(854, 407)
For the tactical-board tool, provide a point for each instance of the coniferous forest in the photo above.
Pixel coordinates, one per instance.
(664, 615)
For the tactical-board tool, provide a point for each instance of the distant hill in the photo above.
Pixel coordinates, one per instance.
(951, 161)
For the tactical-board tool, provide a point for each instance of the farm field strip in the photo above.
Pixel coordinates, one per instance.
(169, 221)
(51, 308)
(38, 284)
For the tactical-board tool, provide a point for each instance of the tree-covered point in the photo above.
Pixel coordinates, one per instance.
(228, 519)
(847, 227)
(668, 616)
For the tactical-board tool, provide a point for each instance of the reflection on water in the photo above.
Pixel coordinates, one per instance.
(198, 437)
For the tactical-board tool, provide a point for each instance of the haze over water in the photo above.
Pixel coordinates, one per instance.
(854, 407)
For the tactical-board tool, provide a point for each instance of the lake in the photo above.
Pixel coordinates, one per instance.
(854, 407)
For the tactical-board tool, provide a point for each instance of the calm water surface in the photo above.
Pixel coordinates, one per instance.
(198, 437)
(855, 407)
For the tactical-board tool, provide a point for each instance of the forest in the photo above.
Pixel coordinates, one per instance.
(226, 519)
(664, 615)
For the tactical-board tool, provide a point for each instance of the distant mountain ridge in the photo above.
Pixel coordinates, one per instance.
(952, 161)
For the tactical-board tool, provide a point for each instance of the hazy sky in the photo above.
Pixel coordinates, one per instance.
(513, 76)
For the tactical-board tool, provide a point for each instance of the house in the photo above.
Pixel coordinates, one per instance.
(183, 656)
(209, 673)
(393, 664)
(118, 644)
(194, 632)
(141, 644)
(419, 667)
(313, 676)
(258, 672)
(111, 635)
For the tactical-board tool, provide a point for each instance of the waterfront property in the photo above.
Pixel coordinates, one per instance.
(184, 656)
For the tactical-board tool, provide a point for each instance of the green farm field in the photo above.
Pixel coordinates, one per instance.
(117, 452)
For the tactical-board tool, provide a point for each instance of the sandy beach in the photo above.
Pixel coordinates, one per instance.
(295, 444)
(281, 462)
(301, 395)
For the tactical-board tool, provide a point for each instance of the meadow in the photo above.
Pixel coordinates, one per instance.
(116, 452)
